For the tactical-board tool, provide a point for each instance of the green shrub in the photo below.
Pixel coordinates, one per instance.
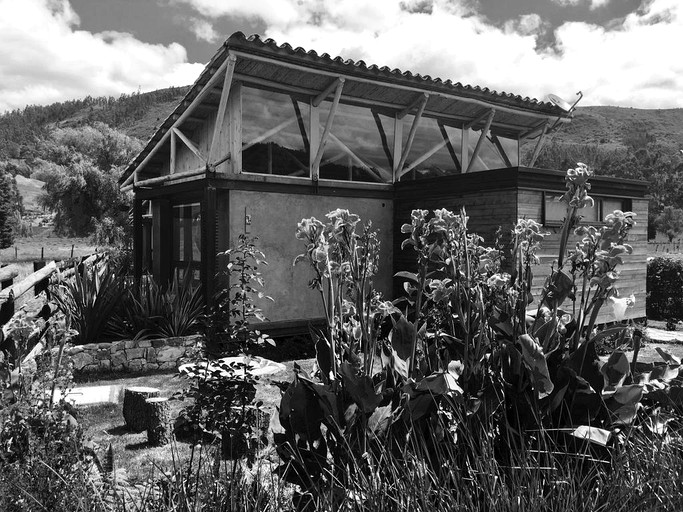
(664, 288)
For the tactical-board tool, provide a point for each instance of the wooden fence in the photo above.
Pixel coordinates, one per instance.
(38, 281)
(675, 247)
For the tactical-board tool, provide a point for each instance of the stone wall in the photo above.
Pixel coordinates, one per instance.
(132, 355)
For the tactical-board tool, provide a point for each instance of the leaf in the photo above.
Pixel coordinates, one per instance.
(401, 366)
(668, 357)
(379, 421)
(586, 363)
(533, 356)
(360, 388)
(407, 275)
(624, 403)
(439, 384)
(323, 355)
(615, 371)
(403, 337)
(594, 435)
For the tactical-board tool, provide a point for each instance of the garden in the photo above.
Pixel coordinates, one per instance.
(468, 392)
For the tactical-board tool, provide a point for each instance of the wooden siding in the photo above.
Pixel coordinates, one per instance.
(632, 272)
(488, 208)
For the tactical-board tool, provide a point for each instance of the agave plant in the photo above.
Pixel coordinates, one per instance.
(90, 299)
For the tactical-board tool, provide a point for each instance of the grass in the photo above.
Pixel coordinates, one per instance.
(103, 423)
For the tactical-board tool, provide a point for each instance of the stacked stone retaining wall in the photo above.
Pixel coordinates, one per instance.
(133, 355)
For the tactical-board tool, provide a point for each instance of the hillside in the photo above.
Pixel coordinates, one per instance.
(620, 127)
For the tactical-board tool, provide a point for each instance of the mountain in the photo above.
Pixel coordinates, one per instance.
(139, 114)
(620, 127)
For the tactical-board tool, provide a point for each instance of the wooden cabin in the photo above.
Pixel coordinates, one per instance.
(269, 134)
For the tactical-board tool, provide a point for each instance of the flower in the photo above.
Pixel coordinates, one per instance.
(619, 306)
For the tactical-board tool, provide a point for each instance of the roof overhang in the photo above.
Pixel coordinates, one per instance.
(265, 64)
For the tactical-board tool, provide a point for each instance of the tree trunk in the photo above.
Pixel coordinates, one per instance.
(159, 426)
(135, 409)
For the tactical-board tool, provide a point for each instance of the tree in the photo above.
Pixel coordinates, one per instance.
(670, 222)
(81, 171)
(10, 202)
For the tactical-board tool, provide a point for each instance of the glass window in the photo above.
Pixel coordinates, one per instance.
(275, 133)
(187, 239)
(435, 150)
(556, 210)
(359, 146)
(490, 154)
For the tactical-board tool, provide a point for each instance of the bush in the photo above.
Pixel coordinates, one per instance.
(664, 288)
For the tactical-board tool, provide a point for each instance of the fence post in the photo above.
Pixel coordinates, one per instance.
(42, 285)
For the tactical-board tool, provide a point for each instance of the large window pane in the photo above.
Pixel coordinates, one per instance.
(359, 145)
(490, 156)
(275, 133)
(435, 150)
(187, 239)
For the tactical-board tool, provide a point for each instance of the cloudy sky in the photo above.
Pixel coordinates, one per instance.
(618, 52)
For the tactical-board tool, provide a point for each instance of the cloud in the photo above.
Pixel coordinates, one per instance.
(203, 30)
(593, 4)
(633, 63)
(44, 57)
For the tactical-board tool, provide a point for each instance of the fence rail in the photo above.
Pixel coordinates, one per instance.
(675, 247)
(10, 292)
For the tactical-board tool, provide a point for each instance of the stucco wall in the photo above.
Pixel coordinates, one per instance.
(274, 218)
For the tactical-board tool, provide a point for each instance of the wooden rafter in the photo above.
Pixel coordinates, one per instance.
(482, 138)
(227, 82)
(246, 79)
(190, 145)
(328, 126)
(269, 133)
(482, 117)
(173, 154)
(501, 150)
(420, 101)
(539, 143)
(177, 122)
(357, 159)
(411, 136)
(328, 90)
(425, 155)
(533, 131)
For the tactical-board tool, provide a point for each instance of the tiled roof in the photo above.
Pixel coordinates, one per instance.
(238, 41)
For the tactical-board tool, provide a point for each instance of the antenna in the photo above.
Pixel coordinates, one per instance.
(564, 105)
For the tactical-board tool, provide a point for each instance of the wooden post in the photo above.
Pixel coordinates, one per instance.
(159, 430)
(137, 238)
(209, 253)
(223, 105)
(135, 408)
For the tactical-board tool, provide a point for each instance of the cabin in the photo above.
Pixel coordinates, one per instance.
(270, 134)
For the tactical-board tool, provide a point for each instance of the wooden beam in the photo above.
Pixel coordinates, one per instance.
(539, 127)
(328, 90)
(220, 116)
(398, 145)
(482, 138)
(314, 130)
(328, 126)
(539, 143)
(425, 156)
(306, 92)
(358, 160)
(480, 118)
(235, 139)
(464, 149)
(173, 153)
(501, 150)
(291, 65)
(190, 145)
(411, 136)
(137, 239)
(188, 111)
(419, 102)
(269, 133)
